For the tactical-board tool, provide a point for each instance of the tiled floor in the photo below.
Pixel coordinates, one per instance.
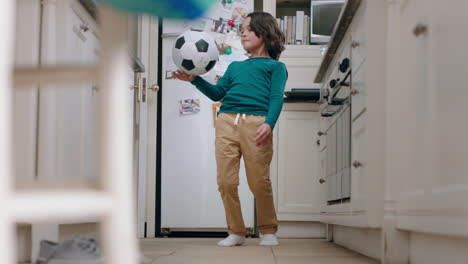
(290, 251)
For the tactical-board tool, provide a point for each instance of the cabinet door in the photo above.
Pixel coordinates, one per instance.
(359, 38)
(76, 109)
(67, 112)
(359, 188)
(298, 167)
(433, 150)
(323, 176)
(346, 138)
(332, 158)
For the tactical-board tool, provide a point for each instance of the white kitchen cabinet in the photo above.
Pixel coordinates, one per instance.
(76, 104)
(359, 92)
(364, 41)
(428, 150)
(359, 42)
(296, 173)
(58, 126)
(359, 164)
(323, 188)
(302, 62)
(67, 114)
(58, 138)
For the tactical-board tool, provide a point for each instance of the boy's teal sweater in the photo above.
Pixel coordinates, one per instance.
(254, 86)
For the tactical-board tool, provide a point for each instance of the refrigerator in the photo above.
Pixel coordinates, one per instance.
(190, 200)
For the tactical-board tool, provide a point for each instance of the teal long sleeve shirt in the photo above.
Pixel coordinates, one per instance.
(254, 86)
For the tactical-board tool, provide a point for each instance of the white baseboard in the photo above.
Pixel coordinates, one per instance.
(364, 241)
(289, 229)
(432, 249)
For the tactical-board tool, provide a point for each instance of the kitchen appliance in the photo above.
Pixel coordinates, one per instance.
(190, 201)
(335, 110)
(323, 17)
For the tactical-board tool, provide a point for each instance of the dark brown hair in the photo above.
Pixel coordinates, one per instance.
(264, 25)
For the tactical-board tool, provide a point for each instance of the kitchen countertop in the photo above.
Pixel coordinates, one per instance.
(339, 32)
(301, 106)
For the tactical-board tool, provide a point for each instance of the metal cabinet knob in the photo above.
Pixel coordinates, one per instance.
(320, 133)
(84, 27)
(321, 181)
(357, 164)
(154, 88)
(318, 142)
(420, 29)
(355, 44)
(354, 92)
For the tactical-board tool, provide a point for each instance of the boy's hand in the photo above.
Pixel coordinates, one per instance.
(263, 134)
(183, 76)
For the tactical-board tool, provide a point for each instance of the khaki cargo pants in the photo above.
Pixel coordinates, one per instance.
(235, 137)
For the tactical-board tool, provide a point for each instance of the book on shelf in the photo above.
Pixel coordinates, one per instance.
(299, 39)
(295, 28)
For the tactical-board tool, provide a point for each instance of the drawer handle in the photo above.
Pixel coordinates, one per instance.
(318, 142)
(321, 181)
(420, 29)
(357, 164)
(354, 92)
(320, 133)
(355, 44)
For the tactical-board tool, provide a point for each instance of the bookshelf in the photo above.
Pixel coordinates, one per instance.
(288, 13)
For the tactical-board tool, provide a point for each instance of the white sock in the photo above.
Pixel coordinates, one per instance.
(269, 240)
(232, 240)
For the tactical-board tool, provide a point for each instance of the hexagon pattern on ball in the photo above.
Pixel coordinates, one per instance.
(195, 52)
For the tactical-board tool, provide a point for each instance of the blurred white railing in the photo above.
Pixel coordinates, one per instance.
(112, 204)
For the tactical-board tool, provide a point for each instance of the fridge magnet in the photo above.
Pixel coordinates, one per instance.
(189, 106)
(196, 25)
(239, 11)
(220, 26)
(169, 75)
(170, 67)
(227, 4)
(223, 47)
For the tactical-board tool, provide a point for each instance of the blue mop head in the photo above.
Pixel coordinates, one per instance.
(187, 9)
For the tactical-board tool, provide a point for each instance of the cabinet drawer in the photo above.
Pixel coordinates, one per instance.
(358, 91)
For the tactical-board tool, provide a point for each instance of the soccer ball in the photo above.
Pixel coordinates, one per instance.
(195, 52)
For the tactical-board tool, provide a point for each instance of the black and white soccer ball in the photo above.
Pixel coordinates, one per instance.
(195, 52)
